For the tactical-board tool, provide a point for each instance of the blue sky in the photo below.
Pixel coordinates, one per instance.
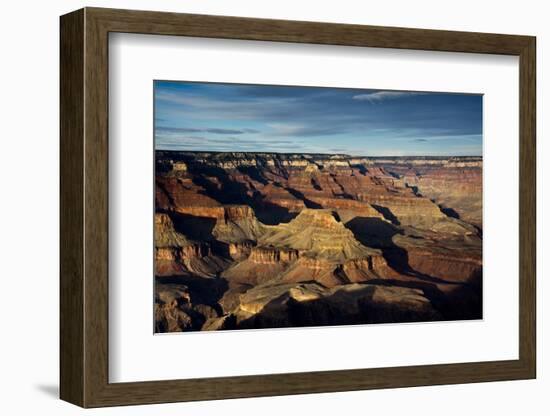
(265, 118)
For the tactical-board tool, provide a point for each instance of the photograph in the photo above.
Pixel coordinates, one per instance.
(293, 206)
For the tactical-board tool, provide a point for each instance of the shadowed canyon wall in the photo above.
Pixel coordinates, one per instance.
(262, 240)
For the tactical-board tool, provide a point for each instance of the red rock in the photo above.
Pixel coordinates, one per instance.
(270, 220)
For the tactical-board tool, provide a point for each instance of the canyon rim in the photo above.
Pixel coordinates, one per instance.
(281, 206)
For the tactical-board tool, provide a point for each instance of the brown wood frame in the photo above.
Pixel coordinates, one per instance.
(84, 208)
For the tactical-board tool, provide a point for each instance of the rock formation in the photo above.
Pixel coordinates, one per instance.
(256, 240)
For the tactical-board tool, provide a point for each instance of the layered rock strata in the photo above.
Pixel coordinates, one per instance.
(290, 240)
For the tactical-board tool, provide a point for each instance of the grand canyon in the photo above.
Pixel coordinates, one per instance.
(249, 240)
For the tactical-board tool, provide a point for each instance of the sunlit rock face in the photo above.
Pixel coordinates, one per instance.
(455, 184)
(259, 240)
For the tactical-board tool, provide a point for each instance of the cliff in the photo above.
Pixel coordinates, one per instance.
(250, 220)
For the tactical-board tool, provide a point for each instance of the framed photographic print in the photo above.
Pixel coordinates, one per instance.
(255, 207)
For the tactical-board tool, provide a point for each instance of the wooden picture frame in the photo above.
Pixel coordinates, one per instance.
(84, 207)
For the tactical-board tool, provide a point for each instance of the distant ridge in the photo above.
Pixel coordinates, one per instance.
(284, 155)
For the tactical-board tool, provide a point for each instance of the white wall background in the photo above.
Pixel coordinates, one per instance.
(29, 208)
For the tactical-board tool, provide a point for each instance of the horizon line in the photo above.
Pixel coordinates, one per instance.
(308, 153)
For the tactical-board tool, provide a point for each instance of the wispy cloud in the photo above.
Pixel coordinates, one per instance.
(283, 129)
(227, 144)
(377, 96)
(163, 129)
(224, 131)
